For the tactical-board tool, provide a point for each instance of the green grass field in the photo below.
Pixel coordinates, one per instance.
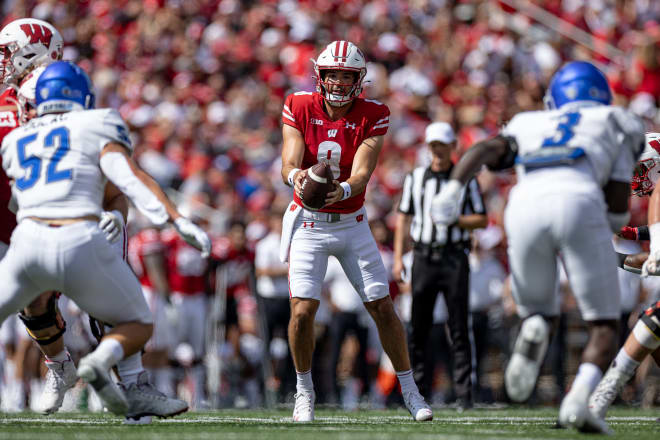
(536, 424)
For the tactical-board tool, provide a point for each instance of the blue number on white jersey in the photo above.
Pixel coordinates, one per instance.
(32, 164)
(61, 133)
(553, 149)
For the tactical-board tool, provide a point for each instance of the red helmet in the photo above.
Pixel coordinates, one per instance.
(340, 55)
(647, 170)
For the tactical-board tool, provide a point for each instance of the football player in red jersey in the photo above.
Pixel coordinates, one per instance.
(148, 257)
(336, 125)
(187, 274)
(644, 339)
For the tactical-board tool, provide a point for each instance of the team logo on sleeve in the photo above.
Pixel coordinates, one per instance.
(122, 134)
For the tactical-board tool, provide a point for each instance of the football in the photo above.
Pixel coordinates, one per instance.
(316, 185)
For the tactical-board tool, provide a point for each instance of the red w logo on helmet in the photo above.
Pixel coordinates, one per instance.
(37, 33)
(655, 144)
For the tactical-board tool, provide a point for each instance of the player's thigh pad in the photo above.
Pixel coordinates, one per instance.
(308, 258)
(100, 282)
(362, 263)
(589, 258)
(532, 257)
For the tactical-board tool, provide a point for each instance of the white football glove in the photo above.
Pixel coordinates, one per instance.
(111, 223)
(652, 264)
(193, 235)
(444, 206)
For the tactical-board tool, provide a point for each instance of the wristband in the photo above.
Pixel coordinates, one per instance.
(292, 174)
(643, 233)
(347, 190)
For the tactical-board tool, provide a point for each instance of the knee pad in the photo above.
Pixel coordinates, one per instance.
(647, 329)
(47, 328)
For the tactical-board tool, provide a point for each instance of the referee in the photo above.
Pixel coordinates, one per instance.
(440, 262)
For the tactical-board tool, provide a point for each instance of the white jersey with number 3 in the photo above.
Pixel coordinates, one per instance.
(597, 143)
(558, 208)
(53, 162)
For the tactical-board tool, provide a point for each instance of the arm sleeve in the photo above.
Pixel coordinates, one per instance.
(288, 117)
(406, 205)
(116, 168)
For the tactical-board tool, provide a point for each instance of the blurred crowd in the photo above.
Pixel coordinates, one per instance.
(201, 84)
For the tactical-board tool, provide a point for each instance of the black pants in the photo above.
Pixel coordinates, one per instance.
(276, 313)
(448, 272)
(341, 325)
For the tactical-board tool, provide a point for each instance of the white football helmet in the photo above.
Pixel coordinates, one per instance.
(27, 93)
(25, 44)
(340, 55)
(647, 170)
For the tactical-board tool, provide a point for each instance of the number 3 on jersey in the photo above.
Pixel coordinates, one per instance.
(32, 164)
(330, 151)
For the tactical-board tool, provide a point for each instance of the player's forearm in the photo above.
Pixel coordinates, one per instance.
(488, 152)
(472, 221)
(157, 191)
(137, 185)
(364, 164)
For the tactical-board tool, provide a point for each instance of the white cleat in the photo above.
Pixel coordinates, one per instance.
(99, 379)
(528, 353)
(144, 401)
(417, 406)
(60, 378)
(607, 390)
(303, 411)
(575, 414)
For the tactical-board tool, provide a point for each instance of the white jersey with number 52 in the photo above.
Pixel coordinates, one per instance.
(53, 162)
(576, 148)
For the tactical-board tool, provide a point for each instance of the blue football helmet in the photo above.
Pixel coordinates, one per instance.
(577, 81)
(63, 87)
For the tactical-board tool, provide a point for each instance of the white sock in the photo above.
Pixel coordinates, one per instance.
(586, 381)
(407, 382)
(625, 363)
(108, 353)
(130, 368)
(59, 357)
(304, 382)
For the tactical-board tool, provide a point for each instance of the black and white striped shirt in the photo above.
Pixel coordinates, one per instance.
(418, 190)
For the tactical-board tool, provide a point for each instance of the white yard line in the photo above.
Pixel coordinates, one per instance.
(492, 420)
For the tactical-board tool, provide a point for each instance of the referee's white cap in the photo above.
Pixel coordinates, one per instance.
(441, 132)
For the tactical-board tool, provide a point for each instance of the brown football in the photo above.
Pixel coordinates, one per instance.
(316, 185)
